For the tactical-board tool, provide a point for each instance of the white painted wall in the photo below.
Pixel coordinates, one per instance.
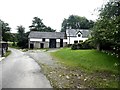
(72, 39)
(33, 39)
(47, 40)
(57, 40)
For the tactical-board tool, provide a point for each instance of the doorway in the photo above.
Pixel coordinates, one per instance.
(31, 46)
(61, 42)
(41, 45)
(52, 43)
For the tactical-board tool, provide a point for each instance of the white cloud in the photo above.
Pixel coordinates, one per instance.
(21, 12)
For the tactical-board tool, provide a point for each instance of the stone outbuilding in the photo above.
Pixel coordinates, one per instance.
(46, 39)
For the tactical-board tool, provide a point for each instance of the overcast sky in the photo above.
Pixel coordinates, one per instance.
(53, 12)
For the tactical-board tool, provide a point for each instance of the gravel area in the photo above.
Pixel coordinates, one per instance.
(42, 57)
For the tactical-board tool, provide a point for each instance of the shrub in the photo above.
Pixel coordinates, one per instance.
(68, 45)
(86, 45)
(13, 44)
(74, 47)
(82, 45)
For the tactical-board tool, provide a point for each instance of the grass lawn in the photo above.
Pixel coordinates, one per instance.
(89, 60)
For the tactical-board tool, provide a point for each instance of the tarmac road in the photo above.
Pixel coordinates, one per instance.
(21, 71)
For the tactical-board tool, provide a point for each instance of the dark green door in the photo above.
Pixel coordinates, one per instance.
(61, 42)
(52, 43)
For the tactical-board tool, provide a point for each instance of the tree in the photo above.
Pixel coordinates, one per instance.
(5, 31)
(22, 37)
(76, 22)
(37, 25)
(106, 31)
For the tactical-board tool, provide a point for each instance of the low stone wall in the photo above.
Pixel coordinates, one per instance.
(36, 44)
(46, 44)
(57, 44)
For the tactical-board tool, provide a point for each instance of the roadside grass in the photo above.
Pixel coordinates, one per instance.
(88, 60)
(10, 44)
(7, 53)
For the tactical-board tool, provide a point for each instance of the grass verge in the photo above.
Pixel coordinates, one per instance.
(98, 69)
(89, 60)
(7, 53)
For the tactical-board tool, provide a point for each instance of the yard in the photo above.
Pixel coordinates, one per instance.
(89, 60)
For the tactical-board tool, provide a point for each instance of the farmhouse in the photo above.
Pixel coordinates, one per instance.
(46, 39)
(77, 35)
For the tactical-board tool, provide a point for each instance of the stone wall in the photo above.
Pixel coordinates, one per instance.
(36, 44)
(57, 44)
(46, 43)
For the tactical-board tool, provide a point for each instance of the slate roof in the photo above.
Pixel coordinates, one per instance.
(47, 35)
(73, 32)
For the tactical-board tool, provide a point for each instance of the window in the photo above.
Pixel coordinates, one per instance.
(75, 41)
(43, 39)
(80, 41)
(79, 35)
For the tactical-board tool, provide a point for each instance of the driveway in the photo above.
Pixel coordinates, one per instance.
(43, 56)
(21, 71)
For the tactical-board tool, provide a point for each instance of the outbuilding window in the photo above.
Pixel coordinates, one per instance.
(75, 41)
(43, 39)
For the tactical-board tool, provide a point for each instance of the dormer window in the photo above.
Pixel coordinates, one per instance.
(79, 35)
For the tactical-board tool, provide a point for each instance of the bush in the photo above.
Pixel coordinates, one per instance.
(68, 45)
(13, 44)
(74, 47)
(82, 45)
(86, 45)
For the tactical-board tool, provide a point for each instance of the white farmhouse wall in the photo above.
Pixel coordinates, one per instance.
(65, 40)
(72, 39)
